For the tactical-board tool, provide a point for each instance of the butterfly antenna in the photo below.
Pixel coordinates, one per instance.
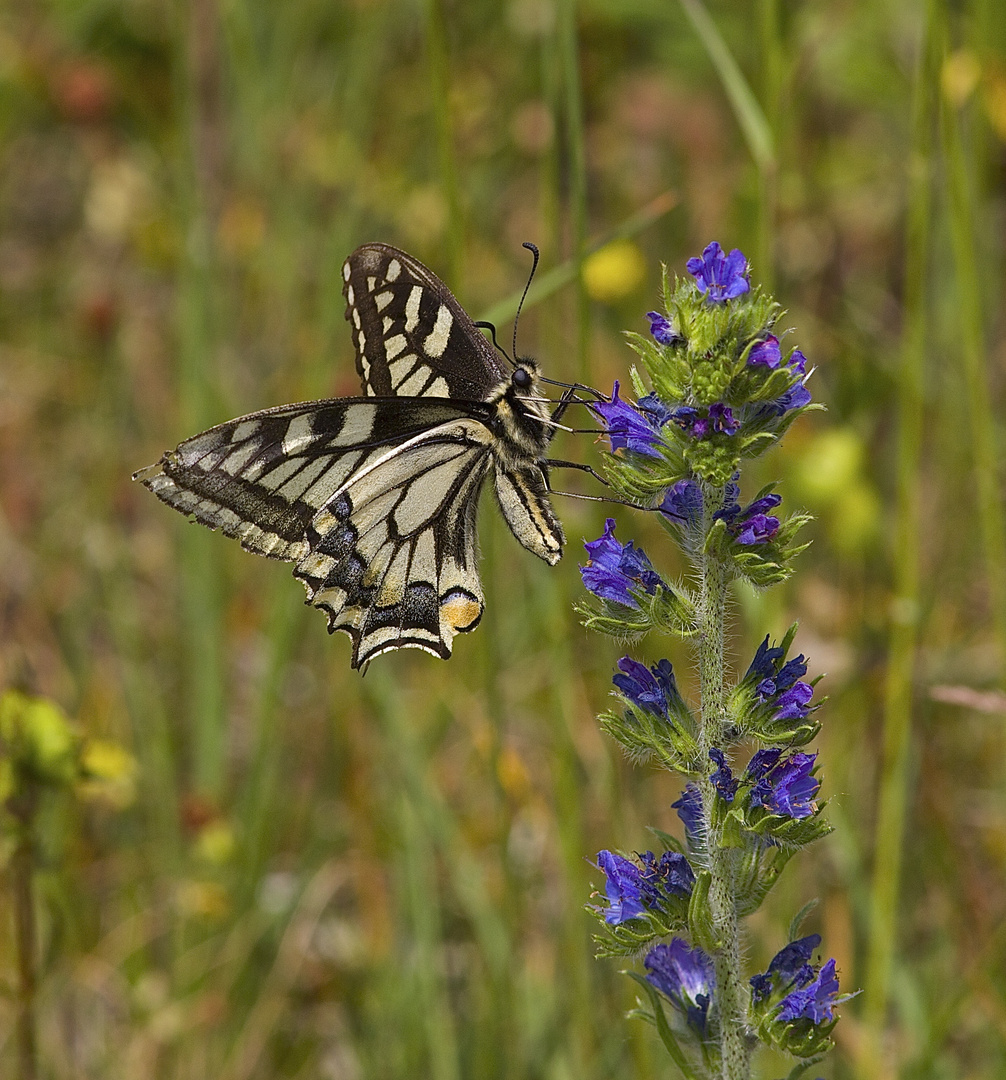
(534, 266)
(492, 330)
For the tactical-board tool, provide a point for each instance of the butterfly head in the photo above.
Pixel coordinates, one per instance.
(524, 375)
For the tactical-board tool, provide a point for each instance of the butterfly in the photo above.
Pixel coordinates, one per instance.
(374, 498)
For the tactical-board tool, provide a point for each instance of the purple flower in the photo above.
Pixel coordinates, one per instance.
(722, 419)
(628, 428)
(623, 888)
(792, 704)
(650, 689)
(815, 1001)
(723, 779)
(797, 361)
(662, 329)
(632, 889)
(761, 762)
(671, 874)
(790, 966)
(686, 977)
(763, 666)
(778, 685)
(614, 570)
(786, 787)
(721, 277)
(655, 410)
(751, 525)
(766, 353)
(794, 398)
(689, 808)
(682, 503)
(719, 420)
(758, 529)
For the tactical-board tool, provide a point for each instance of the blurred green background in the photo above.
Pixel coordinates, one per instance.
(317, 875)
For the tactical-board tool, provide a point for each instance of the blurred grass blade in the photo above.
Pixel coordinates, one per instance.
(974, 358)
(569, 52)
(904, 625)
(553, 280)
(750, 116)
(438, 60)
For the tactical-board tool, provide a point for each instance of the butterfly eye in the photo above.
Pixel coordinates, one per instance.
(521, 379)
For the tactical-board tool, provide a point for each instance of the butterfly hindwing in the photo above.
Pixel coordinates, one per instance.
(393, 557)
(412, 337)
(262, 478)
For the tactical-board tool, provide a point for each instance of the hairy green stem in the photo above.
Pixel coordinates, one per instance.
(732, 994)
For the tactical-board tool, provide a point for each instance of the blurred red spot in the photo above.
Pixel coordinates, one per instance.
(197, 811)
(83, 91)
(99, 314)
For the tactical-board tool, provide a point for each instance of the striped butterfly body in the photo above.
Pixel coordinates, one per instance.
(374, 498)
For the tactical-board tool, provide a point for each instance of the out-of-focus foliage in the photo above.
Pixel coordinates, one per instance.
(343, 878)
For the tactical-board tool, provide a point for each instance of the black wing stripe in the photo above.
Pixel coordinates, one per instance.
(398, 307)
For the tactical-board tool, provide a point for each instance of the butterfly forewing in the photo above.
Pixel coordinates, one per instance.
(262, 478)
(412, 338)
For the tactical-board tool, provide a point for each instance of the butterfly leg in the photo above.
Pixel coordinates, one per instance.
(555, 463)
(565, 401)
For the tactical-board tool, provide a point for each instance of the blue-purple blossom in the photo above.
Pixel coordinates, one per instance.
(627, 427)
(789, 698)
(758, 529)
(723, 779)
(682, 503)
(793, 704)
(790, 966)
(651, 689)
(689, 808)
(763, 666)
(655, 410)
(794, 398)
(615, 570)
(722, 419)
(721, 277)
(719, 420)
(797, 361)
(671, 874)
(622, 887)
(815, 1001)
(686, 977)
(632, 889)
(662, 329)
(751, 524)
(785, 787)
(766, 353)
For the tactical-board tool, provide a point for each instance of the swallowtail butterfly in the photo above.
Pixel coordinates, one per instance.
(374, 498)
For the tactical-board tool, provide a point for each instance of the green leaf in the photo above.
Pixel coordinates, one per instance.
(802, 1066)
(797, 920)
(700, 920)
(663, 1028)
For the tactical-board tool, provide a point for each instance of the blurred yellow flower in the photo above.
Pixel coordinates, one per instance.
(203, 900)
(215, 842)
(614, 272)
(40, 740)
(960, 75)
(109, 773)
